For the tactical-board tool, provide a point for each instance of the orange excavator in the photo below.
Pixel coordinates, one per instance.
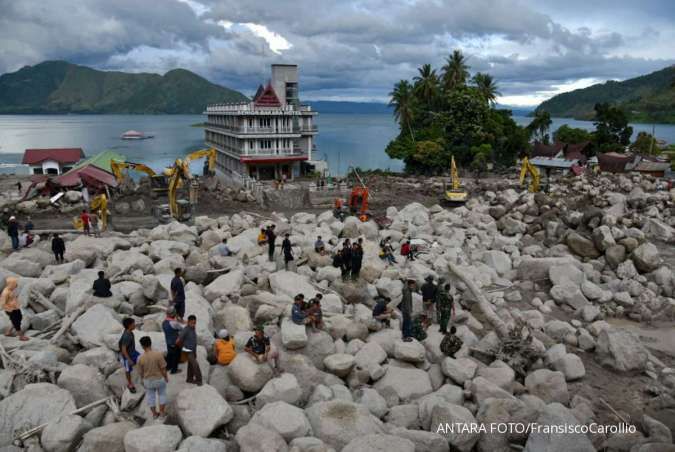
(357, 202)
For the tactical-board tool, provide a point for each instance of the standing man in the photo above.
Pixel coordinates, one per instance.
(187, 339)
(13, 232)
(286, 247)
(178, 293)
(85, 222)
(271, 239)
(357, 258)
(127, 348)
(58, 248)
(19, 188)
(93, 220)
(172, 327)
(429, 296)
(445, 306)
(152, 370)
(10, 304)
(406, 309)
(102, 286)
(346, 255)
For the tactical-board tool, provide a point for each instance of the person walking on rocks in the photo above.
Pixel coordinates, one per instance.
(152, 370)
(406, 309)
(102, 286)
(178, 293)
(84, 217)
(13, 232)
(346, 257)
(357, 258)
(187, 339)
(259, 347)
(127, 349)
(445, 307)
(429, 295)
(10, 304)
(58, 248)
(93, 220)
(224, 348)
(287, 248)
(271, 239)
(172, 327)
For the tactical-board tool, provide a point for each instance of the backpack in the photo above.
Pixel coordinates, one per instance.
(451, 344)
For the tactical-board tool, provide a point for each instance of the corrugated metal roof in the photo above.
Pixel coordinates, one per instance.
(61, 155)
(552, 163)
(102, 160)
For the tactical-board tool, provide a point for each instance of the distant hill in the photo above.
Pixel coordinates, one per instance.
(329, 106)
(62, 87)
(648, 98)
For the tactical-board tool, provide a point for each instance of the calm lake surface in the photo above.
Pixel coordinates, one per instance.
(344, 139)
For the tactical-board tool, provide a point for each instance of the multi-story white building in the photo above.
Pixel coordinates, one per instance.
(267, 138)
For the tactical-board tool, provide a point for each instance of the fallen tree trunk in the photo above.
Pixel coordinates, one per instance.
(485, 306)
(67, 321)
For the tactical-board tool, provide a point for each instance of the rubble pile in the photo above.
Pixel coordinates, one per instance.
(548, 271)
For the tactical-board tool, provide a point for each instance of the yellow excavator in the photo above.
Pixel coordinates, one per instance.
(529, 168)
(99, 206)
(178, 175)
(118, 167)
(456, 195)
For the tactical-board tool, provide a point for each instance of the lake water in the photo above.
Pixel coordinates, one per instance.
(344, 139)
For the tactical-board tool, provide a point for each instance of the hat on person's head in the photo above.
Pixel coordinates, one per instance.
(171, 311)
(12, 218)
(429, 278)
(258, 328)
(223, 333)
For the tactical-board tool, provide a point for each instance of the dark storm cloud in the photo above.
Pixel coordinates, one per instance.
(348, 48)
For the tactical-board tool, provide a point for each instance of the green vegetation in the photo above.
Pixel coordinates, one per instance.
(612, 131)
(649, 98)
(452, 114)
(61, 87)
(571, 135)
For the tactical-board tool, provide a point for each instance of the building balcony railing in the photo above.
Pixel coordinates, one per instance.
(252, 130)
(249, 107)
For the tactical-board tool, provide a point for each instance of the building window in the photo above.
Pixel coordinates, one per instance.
(265, 144)
(37, 171)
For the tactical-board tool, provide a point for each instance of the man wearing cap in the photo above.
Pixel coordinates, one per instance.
(13, 232)
(171, 327)
(224, 348)
(406, 309)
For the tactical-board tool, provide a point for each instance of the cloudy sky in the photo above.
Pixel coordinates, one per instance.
(349, 49)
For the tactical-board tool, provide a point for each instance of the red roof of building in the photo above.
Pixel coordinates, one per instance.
(546, 150)
(576, 151)
(268, 98)
(614, 162)
(86, 175)
(61, 155)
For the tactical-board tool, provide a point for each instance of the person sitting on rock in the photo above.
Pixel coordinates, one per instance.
(222, 249)
(319, 246)
(451, 343)
(419, 327)
(315, 313)
(299, 313)
(387, 251)
(259, 347)
(224, 348)
(382, 313)
(101, 286)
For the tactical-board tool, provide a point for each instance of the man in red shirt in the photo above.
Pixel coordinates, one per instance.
(85, 221)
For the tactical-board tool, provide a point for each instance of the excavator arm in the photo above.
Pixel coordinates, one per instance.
(118, 167)
(208, 153)
(529, 168)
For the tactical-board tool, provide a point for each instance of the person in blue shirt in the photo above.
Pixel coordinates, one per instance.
(298, 313)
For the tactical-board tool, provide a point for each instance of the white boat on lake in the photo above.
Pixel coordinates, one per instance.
(135, 135)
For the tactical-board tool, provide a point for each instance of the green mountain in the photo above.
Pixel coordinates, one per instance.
(648, 98)
(62, 87)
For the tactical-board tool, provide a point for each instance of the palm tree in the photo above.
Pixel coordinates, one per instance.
(403, 99)
(455, 71)
(540, 125)
(486, 86)
(426, 84)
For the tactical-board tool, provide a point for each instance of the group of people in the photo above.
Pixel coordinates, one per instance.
(349, 259)
(307, 313)
(20, 238)
(437, 302)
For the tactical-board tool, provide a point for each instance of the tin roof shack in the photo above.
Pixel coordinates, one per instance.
(614, 162)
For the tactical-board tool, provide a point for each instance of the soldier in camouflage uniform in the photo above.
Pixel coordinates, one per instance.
(445, 306)
(419, 327)
(451, 343)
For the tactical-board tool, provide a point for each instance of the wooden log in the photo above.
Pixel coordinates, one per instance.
(42, 300)
(485, 306)
(67, 321)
